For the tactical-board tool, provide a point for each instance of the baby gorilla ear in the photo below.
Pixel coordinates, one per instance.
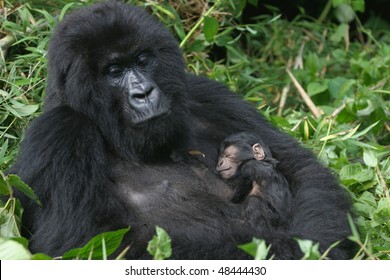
(258, 152)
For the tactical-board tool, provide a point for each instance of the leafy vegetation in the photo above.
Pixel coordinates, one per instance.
(325, 81)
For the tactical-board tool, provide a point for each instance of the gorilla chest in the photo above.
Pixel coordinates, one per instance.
(157, 186)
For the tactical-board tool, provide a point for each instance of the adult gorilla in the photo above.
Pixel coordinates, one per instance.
(118, 105)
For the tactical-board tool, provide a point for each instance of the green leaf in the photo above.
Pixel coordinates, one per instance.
(21, 111)
(316, 88)
(344, 13)
(102, 244)
(364, 210)
(336, 3)
(355, 233)
(358, 5)
(224, 38)
(160, 247)
(257, 249)
(9, 224)
(355, 173)
(41, 256)
(370, 158)
(210, 28)
(65, 10)
(310, 249)
(340, 33)
(364, 131)
(26, 110)
(368, 198)
(237, 7)
(16, 182)
(382, 213)
(4, 190)
(12, 250)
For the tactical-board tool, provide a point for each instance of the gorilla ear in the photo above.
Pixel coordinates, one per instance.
(258, 151)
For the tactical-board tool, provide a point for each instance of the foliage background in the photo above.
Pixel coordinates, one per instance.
(336, 62)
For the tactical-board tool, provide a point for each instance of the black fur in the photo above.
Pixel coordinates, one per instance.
(258, 184)
(94, 172)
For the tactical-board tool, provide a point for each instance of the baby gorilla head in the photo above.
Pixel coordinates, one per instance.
(238, 149)
(247, 165)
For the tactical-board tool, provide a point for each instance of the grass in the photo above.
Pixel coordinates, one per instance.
(326, 82)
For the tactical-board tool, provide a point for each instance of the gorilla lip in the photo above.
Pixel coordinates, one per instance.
(154, 117)
(223, 170)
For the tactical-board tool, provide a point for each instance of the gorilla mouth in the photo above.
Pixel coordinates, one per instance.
(143, 119)
(224, 170)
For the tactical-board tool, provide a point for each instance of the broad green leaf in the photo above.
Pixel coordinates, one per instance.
(109, 241)
(4, 190)
(340, 87)
(344, 13)
(41, 256)
(238, 6)
(310, 249)
(26, 110)
(257, 249)
(358, 5)
(9, 224)
(363, 209)
(316, 88)
(370, 158)
(368, 198)
(160, 247)
(21, 110)
(336, 3)
(210, 28)
(16, 182)
(340, 33)
(12, 250)
(355, 173)
(382, 213)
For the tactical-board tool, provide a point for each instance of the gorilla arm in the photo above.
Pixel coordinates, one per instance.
(62, 158)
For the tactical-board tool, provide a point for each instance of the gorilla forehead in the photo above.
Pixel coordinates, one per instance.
(114, 26)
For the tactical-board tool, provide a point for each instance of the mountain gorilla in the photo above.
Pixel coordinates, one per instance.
(118, 104)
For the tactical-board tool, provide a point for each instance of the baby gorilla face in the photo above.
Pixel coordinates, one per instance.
(228, 162)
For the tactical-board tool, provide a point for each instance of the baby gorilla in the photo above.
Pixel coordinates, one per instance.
(248, 167)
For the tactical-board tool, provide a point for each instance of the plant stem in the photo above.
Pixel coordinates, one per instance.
(325, 11)
(200, 21)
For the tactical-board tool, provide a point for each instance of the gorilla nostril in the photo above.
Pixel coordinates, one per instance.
(142, 96)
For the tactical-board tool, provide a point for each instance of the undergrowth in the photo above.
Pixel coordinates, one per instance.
(325, 81)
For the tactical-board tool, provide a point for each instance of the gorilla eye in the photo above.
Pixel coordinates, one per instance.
(144, 59)
(115, 70)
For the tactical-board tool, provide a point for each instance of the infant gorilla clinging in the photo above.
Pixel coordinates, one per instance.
(248, 167)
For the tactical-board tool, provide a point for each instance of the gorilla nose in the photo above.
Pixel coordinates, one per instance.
(143, 98)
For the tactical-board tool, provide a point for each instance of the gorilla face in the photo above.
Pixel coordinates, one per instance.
(133, 77)
(128, 79)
